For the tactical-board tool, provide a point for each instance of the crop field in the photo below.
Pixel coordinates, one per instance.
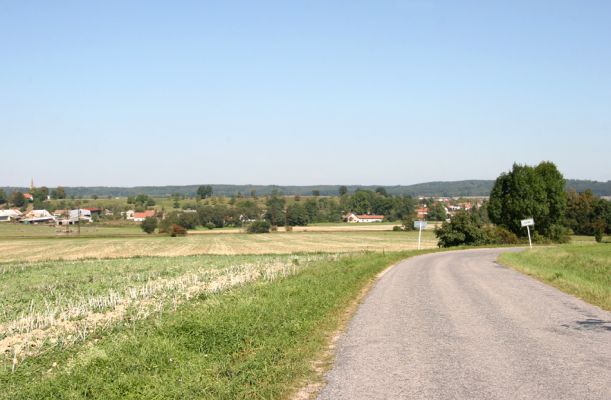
(36, 249)
(212, 327)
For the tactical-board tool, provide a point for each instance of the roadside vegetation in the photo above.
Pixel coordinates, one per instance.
(529, 192)
(582, 269)
(253, 339)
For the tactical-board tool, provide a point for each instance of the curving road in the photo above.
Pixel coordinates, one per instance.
(458, 326)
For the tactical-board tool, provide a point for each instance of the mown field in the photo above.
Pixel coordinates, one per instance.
(211, 327)
(582, 268)
(35, 249)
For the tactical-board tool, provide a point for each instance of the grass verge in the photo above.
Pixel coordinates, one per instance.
(583, 270)
(256, 341)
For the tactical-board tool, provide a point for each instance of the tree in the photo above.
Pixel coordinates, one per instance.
(204, 191)
(381, 190)
(3, 198)
(259, 227)
(58, 193)
(149, 225)
(311, 207)
(315, 193)
(526, 192)
(436, 212)
(343, 190)
(296, 215)
(360, 202)
(275, 213)
(17, 199)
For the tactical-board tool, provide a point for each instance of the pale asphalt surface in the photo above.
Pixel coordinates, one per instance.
(456, 325)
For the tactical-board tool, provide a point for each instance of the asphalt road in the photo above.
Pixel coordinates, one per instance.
(458, 326)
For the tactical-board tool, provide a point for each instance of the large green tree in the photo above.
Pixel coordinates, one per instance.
(275, 213)
(296, 215)
(526, 192)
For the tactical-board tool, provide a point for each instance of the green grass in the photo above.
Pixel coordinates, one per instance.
(582, 269)
(253, 342)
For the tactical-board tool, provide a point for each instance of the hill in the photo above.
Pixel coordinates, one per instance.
(446, 189)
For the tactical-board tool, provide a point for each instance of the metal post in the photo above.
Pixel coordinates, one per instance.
(419, 234)
(529, 241)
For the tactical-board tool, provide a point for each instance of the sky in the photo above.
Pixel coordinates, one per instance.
(131, 93)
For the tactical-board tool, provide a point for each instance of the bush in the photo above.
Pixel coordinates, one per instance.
(463, 229)
(259, 227)
(149, 225)
(558, 234)
(397, 228)
(408, 223)
(210, 225)
(499, 235)
(177, 230)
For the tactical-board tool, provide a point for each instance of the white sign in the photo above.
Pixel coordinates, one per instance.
(419, 224)
(528, 222)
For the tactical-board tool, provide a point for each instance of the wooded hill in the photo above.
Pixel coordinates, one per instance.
(428, 189)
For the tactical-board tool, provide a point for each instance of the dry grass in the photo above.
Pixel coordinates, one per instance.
(224, 244)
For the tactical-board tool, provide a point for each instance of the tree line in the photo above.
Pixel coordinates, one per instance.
(529, 192)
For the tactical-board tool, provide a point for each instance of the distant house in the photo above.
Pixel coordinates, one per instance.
(93, 210)
(37, 217)
(61, 213)
(358, 218)
(422, 212)
(10, 215)
(81, 214)
(28, 196)
(140, 216)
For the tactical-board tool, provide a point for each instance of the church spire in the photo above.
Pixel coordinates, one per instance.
(32, 184)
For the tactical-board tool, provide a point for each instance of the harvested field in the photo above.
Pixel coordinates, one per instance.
(273, 243)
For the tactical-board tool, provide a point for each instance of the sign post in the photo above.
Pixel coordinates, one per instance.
(419, 225)
(528, 223)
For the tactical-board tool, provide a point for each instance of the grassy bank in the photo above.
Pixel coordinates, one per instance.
(583, 270)
(252, 341)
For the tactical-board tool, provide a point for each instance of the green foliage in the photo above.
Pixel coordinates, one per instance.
(149, 225)
(408, 223)
(261, 226)
(3, 198)
(436, 212)
(528, 192)
(275, 213)
(342, 190)
(463, 229)
(210, 225)
(58, 193)
(587, 214)
(204, 191)
(499, 235)
(296, 215)
(17, 199)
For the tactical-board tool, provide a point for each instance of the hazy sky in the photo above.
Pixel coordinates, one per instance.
(312, 92)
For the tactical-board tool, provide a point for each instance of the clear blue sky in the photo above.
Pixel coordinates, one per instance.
(313, 92)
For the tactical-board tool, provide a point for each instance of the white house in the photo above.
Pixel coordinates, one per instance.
(38, 216)
(354, 218)
(10, 215)
(80, 214)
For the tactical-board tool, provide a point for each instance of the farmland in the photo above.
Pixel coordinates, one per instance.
(173, 327)
(36, 249)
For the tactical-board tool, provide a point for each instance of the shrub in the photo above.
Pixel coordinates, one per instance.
(149, 225)
(259, 227)
(499, 235)
(177, 230)
(397, 228)
(462, 229)
(558, 234)
(210, 225)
